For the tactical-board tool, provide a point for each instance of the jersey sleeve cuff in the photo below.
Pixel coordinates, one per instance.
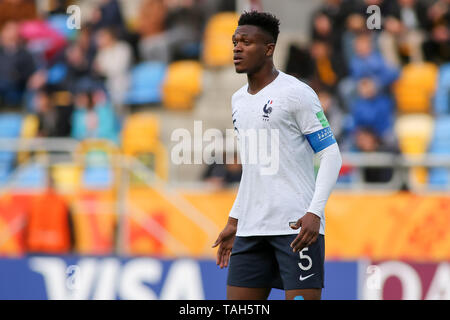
(233, 215)
(315, 212)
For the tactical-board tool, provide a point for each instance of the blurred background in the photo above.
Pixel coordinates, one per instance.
(93, 207)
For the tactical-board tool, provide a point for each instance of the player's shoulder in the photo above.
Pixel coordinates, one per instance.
(238, 95)
(297, 93)
(296, 88)
(240, 92)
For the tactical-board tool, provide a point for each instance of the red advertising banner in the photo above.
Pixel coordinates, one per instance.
(400, 280)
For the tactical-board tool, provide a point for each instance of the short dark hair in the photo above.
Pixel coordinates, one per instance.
(264, 20)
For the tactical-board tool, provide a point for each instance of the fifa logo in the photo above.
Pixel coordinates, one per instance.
(267, 110)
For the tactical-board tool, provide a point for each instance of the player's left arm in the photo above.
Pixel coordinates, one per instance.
(330, 165)
(316, 128)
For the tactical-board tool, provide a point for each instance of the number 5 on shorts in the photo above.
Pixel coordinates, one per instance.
(305, 256)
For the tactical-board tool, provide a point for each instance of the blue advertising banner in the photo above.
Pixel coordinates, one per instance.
(108, 278)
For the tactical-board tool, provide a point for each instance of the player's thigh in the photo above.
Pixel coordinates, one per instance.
(300, 270)
(252, 264)
(242, 293)
(307, 294)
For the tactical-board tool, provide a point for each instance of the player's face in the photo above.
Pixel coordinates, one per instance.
(251, 49)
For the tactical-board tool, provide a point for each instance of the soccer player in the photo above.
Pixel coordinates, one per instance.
(274, 237)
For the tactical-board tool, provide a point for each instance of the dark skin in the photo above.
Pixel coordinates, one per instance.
(253, 54)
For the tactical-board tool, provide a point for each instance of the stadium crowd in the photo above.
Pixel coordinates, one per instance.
(360, 73)
(77, 81)
(46, 65)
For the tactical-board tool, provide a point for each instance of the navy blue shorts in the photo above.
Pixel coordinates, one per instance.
(268, 262)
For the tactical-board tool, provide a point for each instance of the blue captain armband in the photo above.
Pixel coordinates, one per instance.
(321, 139)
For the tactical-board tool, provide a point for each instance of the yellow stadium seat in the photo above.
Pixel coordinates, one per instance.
(67, 176)
(182, 84)
(218, 47)
(138, 131)
(140, 137)
(415, 88)
(29, 130)
(414, 132)
(30, 126)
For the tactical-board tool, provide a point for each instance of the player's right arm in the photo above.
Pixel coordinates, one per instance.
(225, 239)
(225, 242)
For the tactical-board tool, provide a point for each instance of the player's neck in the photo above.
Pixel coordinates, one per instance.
(258, 80)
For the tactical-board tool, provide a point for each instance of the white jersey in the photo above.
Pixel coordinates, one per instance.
(271, 195)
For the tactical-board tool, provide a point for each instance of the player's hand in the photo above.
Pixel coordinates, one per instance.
(225, 242)
(310, 224)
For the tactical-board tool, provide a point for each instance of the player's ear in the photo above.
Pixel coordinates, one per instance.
(270, 49)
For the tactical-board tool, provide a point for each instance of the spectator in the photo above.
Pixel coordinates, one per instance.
(174, 33)
(403, 34)
(356, 25)
(220, 176)
(113, 61)
(328, 66)
(46, 114)
(54, 110)
(50, 227)
(87, 43)
(372, 106)
(367, 140)
(437, 45)
(57, 7)
(184, 24)
(17, 10)
(322, 28)
(153, 43)
(77, 64)
(109, 15)
(337, 12)
(320, 65)
(299, 63)
(151, 18)
(43, 40)
(17, 67)
(373, 110)
(368, 63)
(94, 116)
(333, 112)
(72, 66)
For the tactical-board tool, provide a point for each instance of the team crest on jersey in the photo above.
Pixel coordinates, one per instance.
(267, 110)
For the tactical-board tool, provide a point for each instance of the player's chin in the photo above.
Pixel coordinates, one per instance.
(240, 69)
